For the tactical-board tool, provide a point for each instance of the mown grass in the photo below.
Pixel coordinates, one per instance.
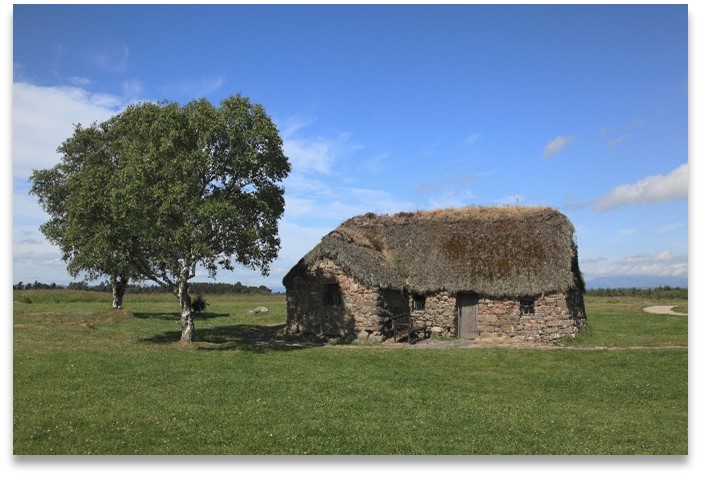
(88, 380)
(621, 321)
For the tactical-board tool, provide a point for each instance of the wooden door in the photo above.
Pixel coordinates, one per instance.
(467, 315)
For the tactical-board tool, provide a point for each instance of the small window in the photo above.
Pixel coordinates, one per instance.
(332, 294)
(418, 302)
(527, 307)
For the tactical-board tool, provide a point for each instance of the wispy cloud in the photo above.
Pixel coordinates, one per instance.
(652, 189)
(441, 185)
(114, 59)
(132, 88)
(314, 153)
(514, 199)
(627, 231)
(615, 142)
(79, 81)
(669, 228)
(557, 145)
(192, 87)
(471, 139)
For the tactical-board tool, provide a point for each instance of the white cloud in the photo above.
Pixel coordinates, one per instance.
(313, 153)
(319, 201)
(660, 188)
(557, 145)
(43, 117)
(664, 264)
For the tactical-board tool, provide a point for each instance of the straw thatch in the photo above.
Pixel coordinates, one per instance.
(494, 251)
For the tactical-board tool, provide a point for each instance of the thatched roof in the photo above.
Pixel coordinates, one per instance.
(494, 251)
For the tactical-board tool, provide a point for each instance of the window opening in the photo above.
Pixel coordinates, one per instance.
(332, 294)
(527, 308)
(418, 302)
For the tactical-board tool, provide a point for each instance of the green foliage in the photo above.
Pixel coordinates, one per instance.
(203, 184)
(159, 189)
(199, 304)
(93, 381)
(84, 215)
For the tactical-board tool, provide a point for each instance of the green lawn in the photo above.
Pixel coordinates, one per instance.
(88, 380)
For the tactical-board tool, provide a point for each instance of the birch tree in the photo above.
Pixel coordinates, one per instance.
(202, 185)
(161, 189)
(84, 223)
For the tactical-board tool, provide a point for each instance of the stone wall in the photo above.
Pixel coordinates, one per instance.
(365, 312)
(552, 319)
(439, 314)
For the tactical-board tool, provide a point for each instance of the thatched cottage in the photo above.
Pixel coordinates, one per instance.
(477, 272)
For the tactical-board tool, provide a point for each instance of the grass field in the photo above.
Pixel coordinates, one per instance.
(89, 380)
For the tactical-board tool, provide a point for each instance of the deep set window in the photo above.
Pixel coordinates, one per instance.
(332, 294)
(527, 307)
(418, 302)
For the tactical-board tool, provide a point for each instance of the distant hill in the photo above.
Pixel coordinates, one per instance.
(637, 281)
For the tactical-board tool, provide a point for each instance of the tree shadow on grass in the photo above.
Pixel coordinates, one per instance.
(176, 316)
(245, 337)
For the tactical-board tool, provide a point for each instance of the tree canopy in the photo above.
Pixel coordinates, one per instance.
(166, 188)
(84, 214)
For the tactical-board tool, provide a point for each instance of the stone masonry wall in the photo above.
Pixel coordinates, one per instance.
(358, 314)
(502, 318)
(551, 320)
(364, 312)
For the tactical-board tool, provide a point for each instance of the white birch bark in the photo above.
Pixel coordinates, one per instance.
(119, 287)
(187, 322)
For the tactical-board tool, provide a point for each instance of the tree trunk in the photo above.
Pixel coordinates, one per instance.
(119, 287)
(187, 323)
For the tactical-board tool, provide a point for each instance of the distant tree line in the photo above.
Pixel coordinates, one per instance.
(665, 292)
(195, 288)
(35, 286)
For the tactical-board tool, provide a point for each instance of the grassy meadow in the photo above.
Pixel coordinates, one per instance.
(90, 380)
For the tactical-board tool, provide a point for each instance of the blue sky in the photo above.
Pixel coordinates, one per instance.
(392, 108)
